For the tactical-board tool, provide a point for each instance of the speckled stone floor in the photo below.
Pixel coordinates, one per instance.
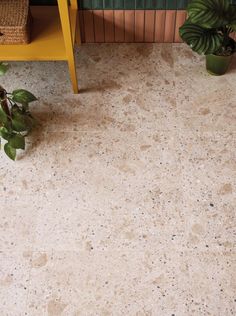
(124, 201)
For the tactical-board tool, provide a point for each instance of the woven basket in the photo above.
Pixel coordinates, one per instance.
(15, 20)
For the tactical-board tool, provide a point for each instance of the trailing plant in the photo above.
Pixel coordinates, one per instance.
(16, 120)
(208, 27)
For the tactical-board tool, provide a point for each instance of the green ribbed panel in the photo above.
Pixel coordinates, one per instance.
(125, 4)
(118, 4)
(86, 4)
(171, 4)
(182, 4)
(150, 4)
(108, 4)
(129, 4)
(97, 4)
(139, 4)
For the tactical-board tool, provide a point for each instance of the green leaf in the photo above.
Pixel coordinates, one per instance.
(233, 27)
(232, 17)
(3, 68)
(3, 116)
(19, 125)
(201, 40)
(21, 122)
(17, 141)
(23, 96)
(10, 151)
(4, 133)
(209, 13)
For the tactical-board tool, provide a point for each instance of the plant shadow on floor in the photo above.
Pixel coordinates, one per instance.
(53, 127)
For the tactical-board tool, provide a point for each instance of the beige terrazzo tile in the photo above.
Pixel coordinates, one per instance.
(204, 102)
(208, 181)
(124, 202)
(14, 280)
(18, 216)
(153, 282)
(119, 190)
(127, 156)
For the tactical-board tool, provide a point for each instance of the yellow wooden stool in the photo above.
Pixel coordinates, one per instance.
(54, 34)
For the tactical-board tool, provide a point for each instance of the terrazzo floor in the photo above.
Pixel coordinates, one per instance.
(124, 201)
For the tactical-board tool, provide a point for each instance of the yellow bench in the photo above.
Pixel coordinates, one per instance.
(54, 34)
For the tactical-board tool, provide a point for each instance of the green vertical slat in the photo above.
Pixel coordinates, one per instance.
(81, 3)
(155, 4)
(150, 4)
(87, 4)
(97, 4)
(182, 4)
(129, 4)
(170, 4)
(108, 4)
(119, 4)
(161, 4)
(140, 4)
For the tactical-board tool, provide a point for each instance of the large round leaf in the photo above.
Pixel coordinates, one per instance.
(201, 40)
(232, 17)
(209, 13)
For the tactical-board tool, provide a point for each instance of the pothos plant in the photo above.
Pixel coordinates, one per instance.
(208, 27)
(16, 121)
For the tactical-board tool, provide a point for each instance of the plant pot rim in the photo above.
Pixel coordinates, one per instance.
(220, 56)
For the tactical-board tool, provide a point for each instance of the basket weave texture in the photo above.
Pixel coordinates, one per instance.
(15, 21)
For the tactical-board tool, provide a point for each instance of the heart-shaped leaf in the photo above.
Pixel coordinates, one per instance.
(5, 134)
(21, 122)
(17, 141)
(3, 116)
(23, 96)
(19, 125)
(10, 151)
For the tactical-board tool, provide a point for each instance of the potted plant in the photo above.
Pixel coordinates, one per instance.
(207, 31)
(16, 120)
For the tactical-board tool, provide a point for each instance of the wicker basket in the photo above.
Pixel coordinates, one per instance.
(15, 20)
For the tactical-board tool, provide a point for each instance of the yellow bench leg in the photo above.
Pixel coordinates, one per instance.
(73, 75)
(69, 45)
